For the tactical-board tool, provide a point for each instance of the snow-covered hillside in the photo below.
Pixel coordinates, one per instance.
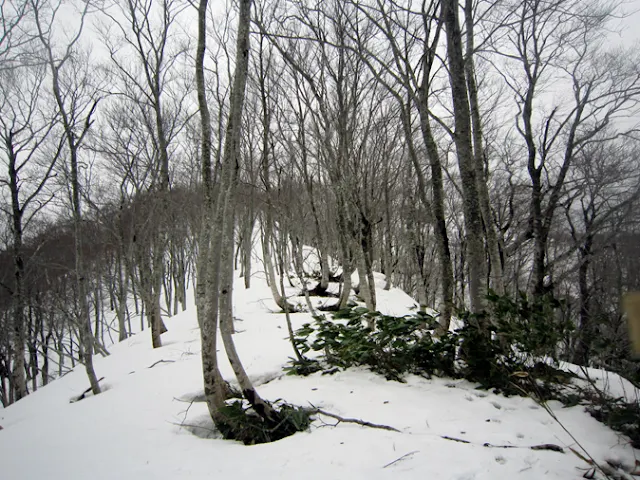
(150, 422)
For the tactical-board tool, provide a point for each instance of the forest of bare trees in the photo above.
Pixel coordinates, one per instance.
(459, 147)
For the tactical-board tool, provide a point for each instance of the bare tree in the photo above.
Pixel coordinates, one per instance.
(559, 42)
(26, 122)
(605, 187)
(76, 99)
(12, 35)
(220, 263)
(463, 137)
(206, 297)
(149, 32)
(415, 34)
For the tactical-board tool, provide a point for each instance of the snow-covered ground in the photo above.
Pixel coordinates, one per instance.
(142, 426)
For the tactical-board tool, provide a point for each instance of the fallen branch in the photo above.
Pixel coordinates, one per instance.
(161, 361)
(548, 446)
(83, 394)
(453, 439)
(545, 446)
(353, 420)
(401, 458)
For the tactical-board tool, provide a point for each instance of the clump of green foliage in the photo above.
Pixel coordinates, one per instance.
(246, 426)
(501, 355)
(515, 346)
(396, 346)
(512, 348)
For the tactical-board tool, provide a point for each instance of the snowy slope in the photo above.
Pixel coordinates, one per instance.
(133, 430)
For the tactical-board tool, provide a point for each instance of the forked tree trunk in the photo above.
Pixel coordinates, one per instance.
(83, 319)
(206, 295)
(226, 221)
(220, 250)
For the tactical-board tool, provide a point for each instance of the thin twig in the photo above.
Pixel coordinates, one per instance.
(552, 414)
(186, 412)
(401, 458)
(161, 361)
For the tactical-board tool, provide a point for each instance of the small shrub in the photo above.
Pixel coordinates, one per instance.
(620, 416)
(246, 426)
(532, 327)
(505, 355)
(303, 367)
(514, 353)
(398, 345)
(519, 338)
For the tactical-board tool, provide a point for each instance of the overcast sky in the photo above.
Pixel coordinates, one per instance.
(631, 24)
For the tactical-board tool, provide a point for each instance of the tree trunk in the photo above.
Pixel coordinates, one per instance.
(347, 270)
(298, 264)
(207, 274)
(496, 274)
(268, 262)
(84, 321)
(436, 206)
(247, 247)
(464, 148)
(220, 251)
(364, 287)
(18, 375)
(123, 288)
(586, 331)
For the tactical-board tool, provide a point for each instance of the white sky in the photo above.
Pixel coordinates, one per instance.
(631, 24)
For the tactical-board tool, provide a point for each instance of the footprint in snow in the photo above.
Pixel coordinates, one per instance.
(496, 405)
(500, 459)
